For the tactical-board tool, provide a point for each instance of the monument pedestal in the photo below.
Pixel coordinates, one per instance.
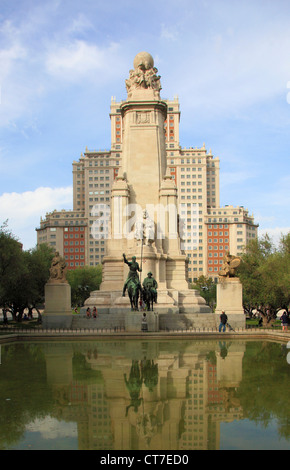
(133, 321)
(168, 301)
(230, 300)
(57, 313)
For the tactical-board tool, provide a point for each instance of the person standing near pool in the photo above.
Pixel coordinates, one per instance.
(223, 322)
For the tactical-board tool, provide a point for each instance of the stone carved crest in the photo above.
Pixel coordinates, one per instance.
(143, 118)
(144, 74)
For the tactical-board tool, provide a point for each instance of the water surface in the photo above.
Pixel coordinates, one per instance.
(144, 395)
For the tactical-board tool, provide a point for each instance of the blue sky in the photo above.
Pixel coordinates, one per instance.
(62, 60)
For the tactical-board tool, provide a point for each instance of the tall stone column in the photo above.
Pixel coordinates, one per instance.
(113, 267)
(140, 179)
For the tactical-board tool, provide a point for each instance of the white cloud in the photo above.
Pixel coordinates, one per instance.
(229, 71)
(19, 80)
(8, 57)
(276, 195)
(23, 210)
(34, 63)
(234, 178)
(78, 59)
(274, 233)
(51, 428)
(169, 32)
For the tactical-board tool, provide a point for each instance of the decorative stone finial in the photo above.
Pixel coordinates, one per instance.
(143, 59)
(144, 75)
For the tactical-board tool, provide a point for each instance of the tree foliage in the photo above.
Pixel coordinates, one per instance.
(261, 401)
(265, 276)
(207, 289)
(23, 274)
(83, 281)
(24, 392)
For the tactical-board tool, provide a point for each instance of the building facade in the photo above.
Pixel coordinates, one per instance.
(208, 230)
(67, 233)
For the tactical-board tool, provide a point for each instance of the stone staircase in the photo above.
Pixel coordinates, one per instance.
(167, 321)
(103, 321)
(184, 321)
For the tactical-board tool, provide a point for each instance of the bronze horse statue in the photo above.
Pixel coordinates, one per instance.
(149, 296)
(134, 290)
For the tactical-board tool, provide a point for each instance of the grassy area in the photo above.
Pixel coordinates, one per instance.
(254, 323)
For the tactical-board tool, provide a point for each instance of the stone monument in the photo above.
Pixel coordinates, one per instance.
(230, 293)
(57, 312)
(144, 209)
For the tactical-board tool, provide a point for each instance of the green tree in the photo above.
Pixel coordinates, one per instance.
(261, 401)
(12, 267)
(207, 289)
(23, 274)
(38, 262)
(265, 276)
(83, 281)
(24, 393)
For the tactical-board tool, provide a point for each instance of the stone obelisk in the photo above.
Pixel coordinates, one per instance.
(144, 203)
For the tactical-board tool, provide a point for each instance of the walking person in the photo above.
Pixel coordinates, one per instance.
(284, 321)
(223, 322)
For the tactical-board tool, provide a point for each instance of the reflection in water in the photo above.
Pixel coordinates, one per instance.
(134, 385)
(144, 373)
(155, 395)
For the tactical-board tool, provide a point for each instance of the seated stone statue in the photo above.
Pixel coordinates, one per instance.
(57, 269)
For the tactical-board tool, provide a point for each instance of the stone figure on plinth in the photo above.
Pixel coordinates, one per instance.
(230, 292)
(230, 265)
(145, 229)
(57, 269)
(57, 296)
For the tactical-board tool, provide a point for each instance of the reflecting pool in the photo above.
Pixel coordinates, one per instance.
(144, 395)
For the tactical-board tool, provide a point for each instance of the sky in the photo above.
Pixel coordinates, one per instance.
(61, 61)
